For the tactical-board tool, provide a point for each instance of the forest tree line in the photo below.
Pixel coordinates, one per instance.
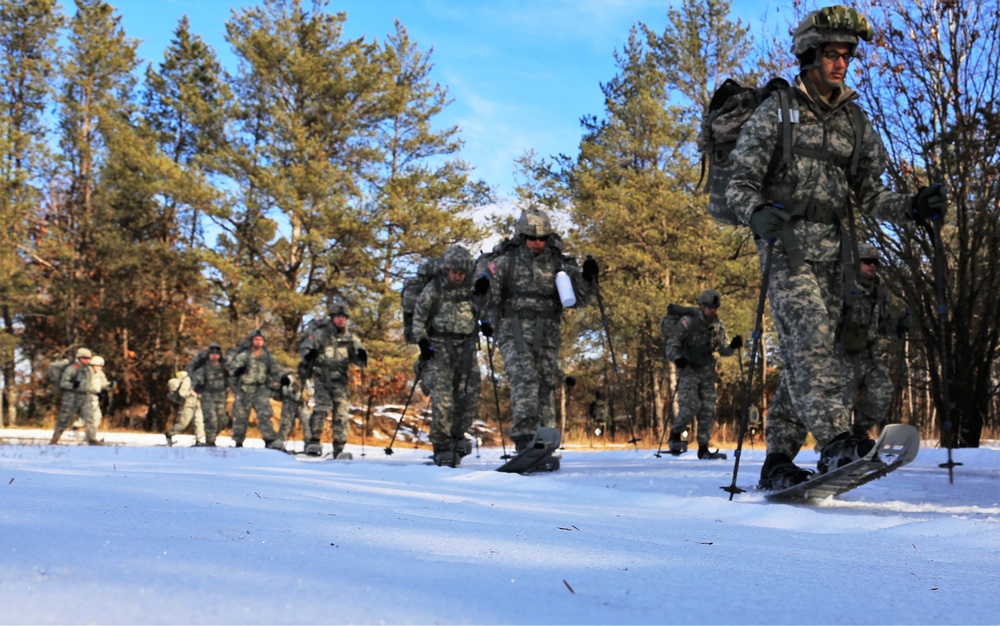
(150, 208)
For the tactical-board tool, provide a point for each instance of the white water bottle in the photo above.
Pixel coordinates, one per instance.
(565, 288)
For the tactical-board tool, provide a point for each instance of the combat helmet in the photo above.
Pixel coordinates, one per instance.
(533, 223)
(710, 297)
(836, 24)
(457, 258)
(97, 360)
(83, 353)
(867, 251)
(338, 306)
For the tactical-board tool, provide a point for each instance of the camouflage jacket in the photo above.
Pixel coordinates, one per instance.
(209, 378)
(698, 339)
(258, 370)
(444, 309)
(867, 320)
(337, 349)
(75, 372)
(815, 185)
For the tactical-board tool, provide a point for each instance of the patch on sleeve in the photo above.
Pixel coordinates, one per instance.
(492, 268)
(685, 322)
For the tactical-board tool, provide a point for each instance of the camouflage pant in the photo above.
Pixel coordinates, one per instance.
(190, 410)
(696, 395)
(258, 398)
(292, 410)
(76, 403)
(455, 383)
(330, 397)
(213, 409)
(805, 305)
(869, 388)
(533, 377)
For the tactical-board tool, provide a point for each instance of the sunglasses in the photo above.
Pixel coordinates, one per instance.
(542, 238)
(869, 261)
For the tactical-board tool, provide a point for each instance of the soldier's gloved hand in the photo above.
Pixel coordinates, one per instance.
(768, 221)
(681, 362)
(930, 203)
(570, 382)
(486, 328)
(590, 269)
(286, 380)
(903, 326)
(426, 349)
(76, 384)
(241, 370)
(737, 342)
(481, 286)
(362, 357)
(312, 355)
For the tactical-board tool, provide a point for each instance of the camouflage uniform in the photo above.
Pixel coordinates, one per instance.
(524, 303)
(335, 350)
(260, 373)
(75, 387)
(444, 317)
(210, 383)
(697, 339)
(99, 383)
(189, 410)
(294, 407)
(806, 286)
(864, 329)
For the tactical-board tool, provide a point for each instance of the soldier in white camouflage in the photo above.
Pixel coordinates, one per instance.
(187, 412)
(75, 387)
(865, 334)
(99, 384)
(804, 208)
(519, 281)
(255, 373)
(327, 348)
(209, 381)
(445, 327)
(692, 348)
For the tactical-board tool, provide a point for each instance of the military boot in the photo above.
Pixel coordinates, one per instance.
(676, 442)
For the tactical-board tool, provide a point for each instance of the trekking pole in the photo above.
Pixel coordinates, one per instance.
(570, 383)
(758, 332)
(659, 448)
(614, 362)
(496, 396)
(420, 370)
(940, 262)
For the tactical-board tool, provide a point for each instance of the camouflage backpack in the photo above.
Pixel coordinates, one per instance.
(55, 371)
(412, 287)
(669, 324)
(174, 387)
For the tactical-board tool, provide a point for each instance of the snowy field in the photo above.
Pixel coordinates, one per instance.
(142, 533)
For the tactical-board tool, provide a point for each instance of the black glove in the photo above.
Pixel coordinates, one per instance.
(312, 355)
(570, 382)
(486, 328)
(241, 370)
(481, 286)
(76, 384)
(768, 221)
(903, 326)
(737, 342)
(681, 362)
(199, 389)
(929, 203)
(285, 380)
(590, 269)
(426, 349)
(362, 357)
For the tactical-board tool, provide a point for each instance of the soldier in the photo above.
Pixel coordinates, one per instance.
(74, 383)
(209, 382)
(294, 405)
(803, 206)
(519, 281)
(869, 388)
(598, 412)
(188, 410)
(99, 384)
(327, 349)
(445, 328)
(255, 371)
(692, 347)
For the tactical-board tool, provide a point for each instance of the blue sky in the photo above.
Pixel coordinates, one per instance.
(521, 73)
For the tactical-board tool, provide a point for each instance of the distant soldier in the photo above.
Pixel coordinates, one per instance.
(99, 384)
(445, 328)
(519, 280)
(863, 329)
(182, 394)
(692, 347)
(74, 383)
(294, 406)
(209, 381)
(598, 411)
(327, 348)
(255, 371)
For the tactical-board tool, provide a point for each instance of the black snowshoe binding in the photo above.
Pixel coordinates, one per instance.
(779, 472)
(676, 443)
(314, 448)
(706, 454)
(537, 454)
(843, 449)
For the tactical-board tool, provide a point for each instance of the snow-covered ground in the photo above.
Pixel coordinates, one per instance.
(142, 533)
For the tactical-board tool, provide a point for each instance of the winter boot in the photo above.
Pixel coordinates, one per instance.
(780, 473)
(521, 442)
(340, 455)
(314, 448)
(463, 447)
(705, 453)
(277, 444)
(677, 445)
(843, 449)
(95, 442)
(170, 438)
(55, 437)
(445, 457)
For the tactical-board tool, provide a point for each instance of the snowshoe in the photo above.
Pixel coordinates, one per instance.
(705, 453)
(170, 439)
(843, 449)
(779, 473)
(277, 444)
(447, 458)
(537, 456)
(314, 449)
(677, 445)
(340, 455)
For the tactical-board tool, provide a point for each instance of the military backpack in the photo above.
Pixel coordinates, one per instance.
(670, 326)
